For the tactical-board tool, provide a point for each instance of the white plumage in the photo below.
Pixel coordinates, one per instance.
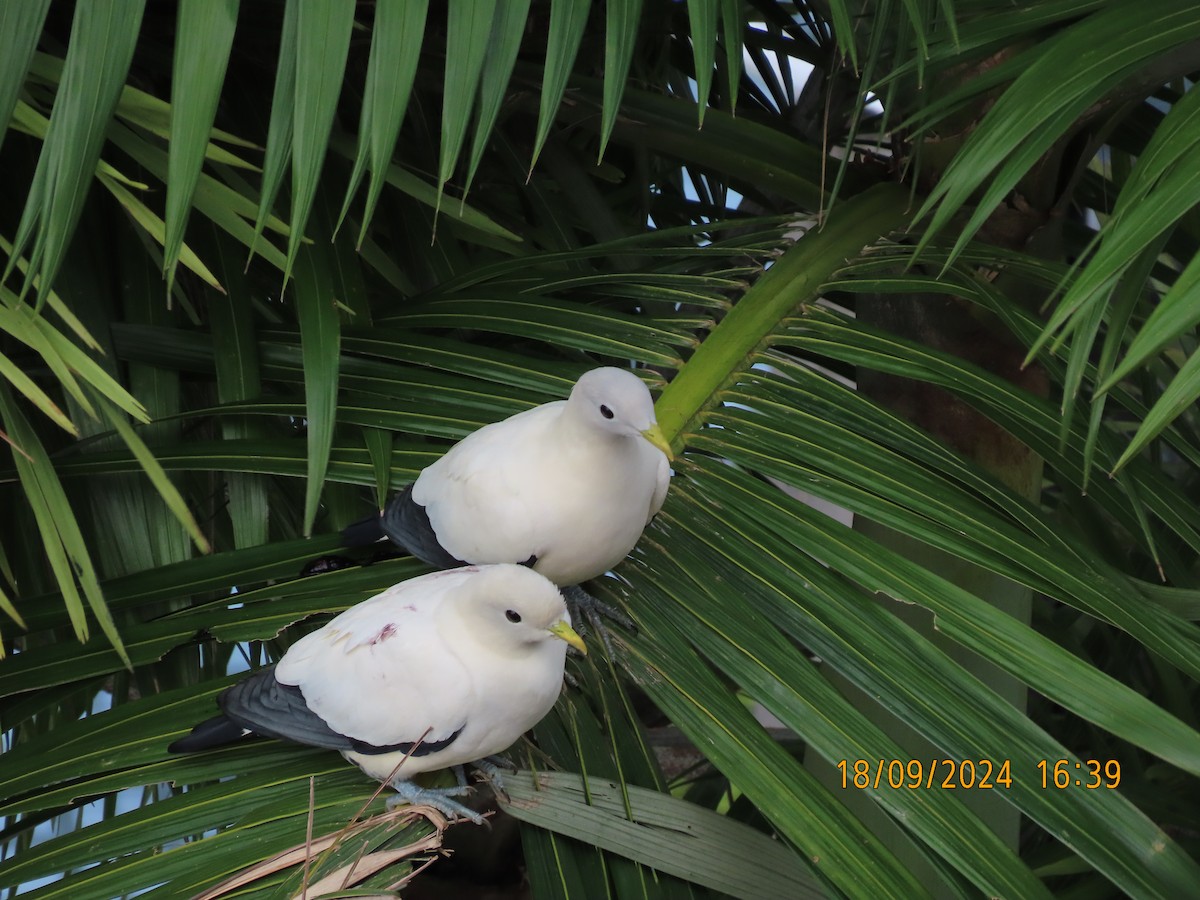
(437, 652)
(464, 661)
(569, 485)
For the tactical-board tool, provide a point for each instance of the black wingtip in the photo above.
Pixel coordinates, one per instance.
(214, 732)
(364, 532)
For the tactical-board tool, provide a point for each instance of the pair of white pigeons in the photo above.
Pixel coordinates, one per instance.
(453, 667)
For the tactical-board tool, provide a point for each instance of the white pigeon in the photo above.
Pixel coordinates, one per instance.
(566, 487)
(438, 671)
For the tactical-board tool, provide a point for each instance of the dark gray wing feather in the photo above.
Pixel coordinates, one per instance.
(364, 532)
(267, 707)
(215, 732)
(406, 523)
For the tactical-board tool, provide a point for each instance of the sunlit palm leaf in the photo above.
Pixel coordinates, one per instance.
(203, 41)
(101, 47)
(20, 27)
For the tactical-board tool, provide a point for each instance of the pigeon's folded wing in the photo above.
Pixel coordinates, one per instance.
(482, 498)
(382, 674)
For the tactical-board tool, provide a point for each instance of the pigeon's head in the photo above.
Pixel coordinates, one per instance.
(512, 607)
(615, 401)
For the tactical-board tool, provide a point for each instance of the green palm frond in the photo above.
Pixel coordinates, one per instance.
(949, 333)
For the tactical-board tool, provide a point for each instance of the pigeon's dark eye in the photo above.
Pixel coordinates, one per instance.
(606, 412)
(512, 615)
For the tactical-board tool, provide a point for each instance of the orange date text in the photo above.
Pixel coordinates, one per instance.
(915, 774)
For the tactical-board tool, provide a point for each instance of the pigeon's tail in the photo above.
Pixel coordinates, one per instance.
(364, 532)
(214, 732)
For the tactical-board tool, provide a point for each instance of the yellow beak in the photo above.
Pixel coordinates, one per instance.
(567, 633)
(655, 436)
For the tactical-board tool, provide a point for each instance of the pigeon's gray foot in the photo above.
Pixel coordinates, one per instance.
(588, 614)
(438, 798)
(494, 768)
